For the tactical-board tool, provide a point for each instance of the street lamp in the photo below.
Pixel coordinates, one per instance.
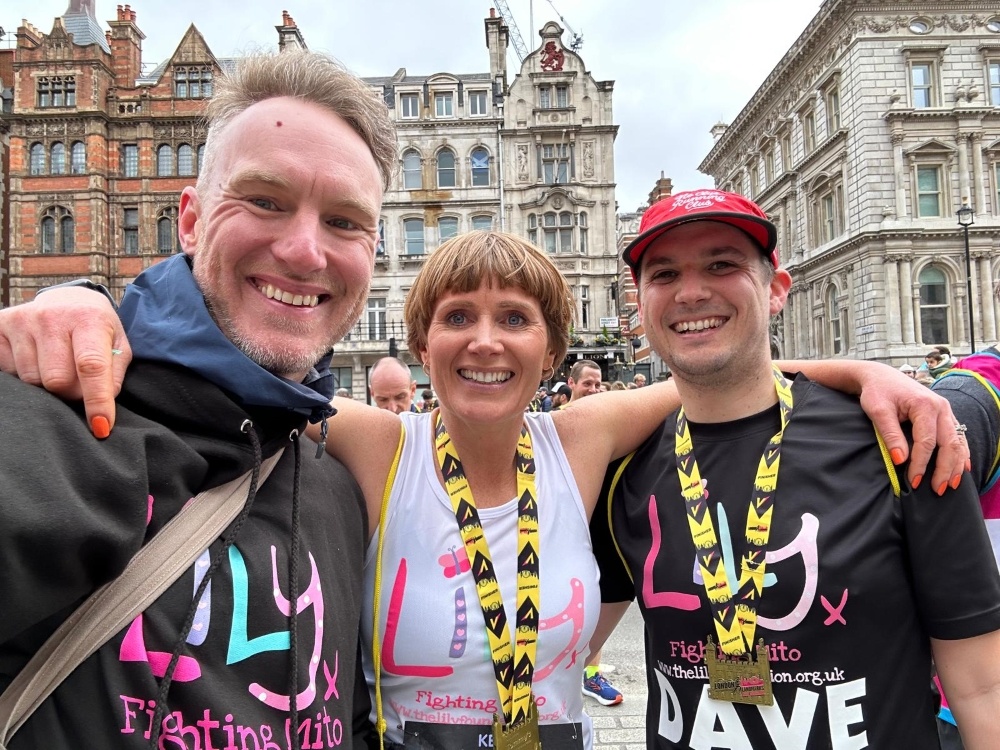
(966, 218)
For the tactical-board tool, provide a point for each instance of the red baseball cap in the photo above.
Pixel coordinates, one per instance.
(703, 205)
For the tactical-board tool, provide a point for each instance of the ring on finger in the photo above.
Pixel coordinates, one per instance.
(961, 429)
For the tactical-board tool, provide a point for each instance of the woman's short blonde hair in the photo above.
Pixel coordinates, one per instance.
(465, 262)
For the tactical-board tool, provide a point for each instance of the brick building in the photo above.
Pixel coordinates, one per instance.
(100, 152)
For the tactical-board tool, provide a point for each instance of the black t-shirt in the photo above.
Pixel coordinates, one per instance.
(857, 580)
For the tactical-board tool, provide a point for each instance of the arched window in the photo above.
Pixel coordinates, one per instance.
(413, 230)
(833, 321)
(37, 158)
(58, 231)
(483, 223)
(57, 159)
(480, 159)
(412, 178)
(185, 160)
(201, 158)
(167, 238)
(446, 168)
(933, 306)
(78, 158)
(164, 161)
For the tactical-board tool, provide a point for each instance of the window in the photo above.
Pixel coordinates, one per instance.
(78, 158)
(754, 181)
(380, 242)
(584, 307)
(185, 160)
(167, 238)
(562, 96)
(768, 166)
(443, 105)
(201, 158)
(193, 82)
(833, 320)
(808, 132)
(583, 232)
(832, 111)
(996, 204)
(555, 162)
(130, 230)
(485, 223)
(409, 105)
(477, 103)
(130, 160)
(922, 86)
(58, 231)
(413, 230)
(165, 161)
(447, 228)
(929, 192)
(533, 229)
(412, 177)
(342, 377)
(994, 76)
(56, 91)
(446, 168)
(557, 232)
(37, 163)
(57, 159)
(544, 97)
(933, 306)
(375, 319)
(786, 153)
(828, 211)
(480, 159)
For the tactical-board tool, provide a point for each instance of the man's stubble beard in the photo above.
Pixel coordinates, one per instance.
(282, 361)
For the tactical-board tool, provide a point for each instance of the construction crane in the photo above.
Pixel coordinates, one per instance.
(577, 38)
(515, 34)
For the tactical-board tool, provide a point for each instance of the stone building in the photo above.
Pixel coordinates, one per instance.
(876, 127)
(100, 151)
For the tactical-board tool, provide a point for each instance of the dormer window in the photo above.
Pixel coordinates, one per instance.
(193, 82)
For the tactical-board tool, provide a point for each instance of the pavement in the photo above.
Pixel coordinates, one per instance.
(623, 727)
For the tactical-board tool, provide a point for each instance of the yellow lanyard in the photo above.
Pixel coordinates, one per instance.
(734, 625)
(513, 665)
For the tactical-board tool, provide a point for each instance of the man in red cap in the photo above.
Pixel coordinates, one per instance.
(790, 599)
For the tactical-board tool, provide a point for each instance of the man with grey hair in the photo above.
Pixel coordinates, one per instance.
(231, 340)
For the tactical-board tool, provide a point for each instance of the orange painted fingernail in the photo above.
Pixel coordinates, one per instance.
(100, 427)
(897, 455)
(955, 481)
(940, 490)
(916, 481)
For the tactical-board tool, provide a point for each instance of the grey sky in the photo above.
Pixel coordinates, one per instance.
(679, 66)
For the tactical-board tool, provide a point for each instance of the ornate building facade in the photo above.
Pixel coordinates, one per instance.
(878, 125)
(100, 151)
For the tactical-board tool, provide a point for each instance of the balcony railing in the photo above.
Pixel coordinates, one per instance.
(381, 331)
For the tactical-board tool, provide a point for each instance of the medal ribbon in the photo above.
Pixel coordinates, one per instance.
(513, 665)
(735, 621)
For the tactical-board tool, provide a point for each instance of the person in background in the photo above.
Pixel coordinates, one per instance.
(584, 379)
(909, 370)
(618, 385)
(938, 361)
(428, 402)
(639, 380)
(342, 393)
(391, 386)
(561, 396)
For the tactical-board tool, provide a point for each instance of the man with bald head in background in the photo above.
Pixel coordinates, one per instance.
(391, 386)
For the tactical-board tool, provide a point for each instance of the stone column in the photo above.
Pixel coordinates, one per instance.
(906, 287)
(899, 172)
(988, 324)
(962, 299)
(890, 270)
(963, 168)
(978, 179)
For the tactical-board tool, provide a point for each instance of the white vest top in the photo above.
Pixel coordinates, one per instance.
(435, 653)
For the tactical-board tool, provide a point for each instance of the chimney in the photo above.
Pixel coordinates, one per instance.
(126, 47)
(718, 130)
(664, 187)
(289, 36)
(497, 40)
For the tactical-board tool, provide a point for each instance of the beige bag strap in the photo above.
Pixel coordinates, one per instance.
(113, 606)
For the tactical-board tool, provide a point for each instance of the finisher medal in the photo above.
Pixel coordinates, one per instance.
(739, 679)
(520, 736)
